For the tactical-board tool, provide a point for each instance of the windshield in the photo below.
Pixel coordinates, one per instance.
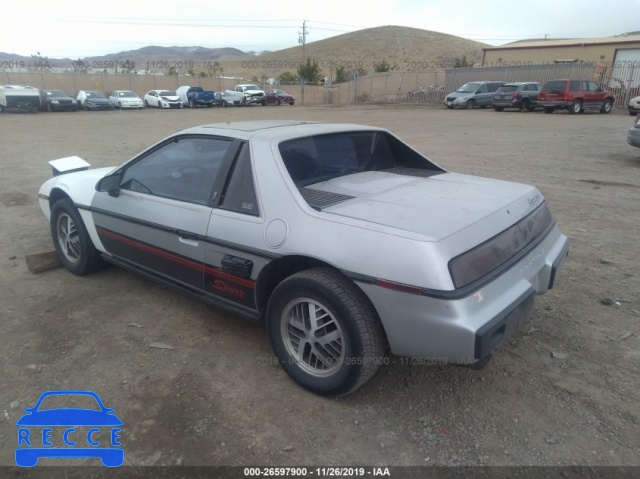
(127, 94)
(251, 87)
(468, 88)
(166, 93)
(507, 88)
(94, 94)
(56, 93)
(280, 92)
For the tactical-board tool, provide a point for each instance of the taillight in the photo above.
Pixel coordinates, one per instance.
(513, 95)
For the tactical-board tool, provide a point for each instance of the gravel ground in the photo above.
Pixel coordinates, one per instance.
(562, 391)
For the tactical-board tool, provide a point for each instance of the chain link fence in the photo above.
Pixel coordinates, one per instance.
(413, 87)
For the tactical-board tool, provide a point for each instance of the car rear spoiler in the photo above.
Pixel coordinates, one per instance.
(69, 164)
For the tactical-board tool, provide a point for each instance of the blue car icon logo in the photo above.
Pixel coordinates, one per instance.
(67, 432)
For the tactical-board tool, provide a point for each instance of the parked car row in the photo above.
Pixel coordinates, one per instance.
(26, 98)
(572, 95)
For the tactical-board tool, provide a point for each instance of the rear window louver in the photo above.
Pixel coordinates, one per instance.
(322, 199)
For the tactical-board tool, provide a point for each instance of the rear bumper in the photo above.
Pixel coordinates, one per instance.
(465, 330)
(554, 104)
(633, 137)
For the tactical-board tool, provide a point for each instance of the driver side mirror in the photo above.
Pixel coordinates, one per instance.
(110, 184)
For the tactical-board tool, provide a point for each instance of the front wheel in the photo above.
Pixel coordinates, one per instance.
(548, 109)
(498, 108)
(71, 239)
(324, 332)
(606, 107)
(192, 104)
(576, 107)
(469, 105)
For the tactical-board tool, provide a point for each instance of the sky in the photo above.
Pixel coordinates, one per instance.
(78, 29)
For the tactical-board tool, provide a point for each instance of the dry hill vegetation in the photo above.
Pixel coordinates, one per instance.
(402, 47)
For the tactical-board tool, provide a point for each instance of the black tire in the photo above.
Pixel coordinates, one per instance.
(263, 103)
(548, 109)
(606, 107)
(224, 104)
(632, 113)
(469, 104)
(576, 107)
(49, 109)
(292, 103)
(524, 105)
(192, 104)
(209, 105)
(531, 108)
(356, 349)
(146, 103)
(450, 107)
(72, 241)
(498, 108)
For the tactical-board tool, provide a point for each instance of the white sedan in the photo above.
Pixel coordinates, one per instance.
(162, 99)
(342, 239)
(125, 99)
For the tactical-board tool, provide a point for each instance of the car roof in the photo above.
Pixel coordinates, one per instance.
(275, 129)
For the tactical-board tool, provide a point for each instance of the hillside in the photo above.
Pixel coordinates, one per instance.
(403, 47)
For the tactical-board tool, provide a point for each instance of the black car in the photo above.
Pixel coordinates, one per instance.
(93, 100)
(57, 100)
(520, 95)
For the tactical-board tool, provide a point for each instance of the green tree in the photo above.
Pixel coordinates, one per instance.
(191, 72)
(462, 62)
(288, 77)
(341, 75)
(173, 71)
(79, 66)
(382, 67)
(310, 71)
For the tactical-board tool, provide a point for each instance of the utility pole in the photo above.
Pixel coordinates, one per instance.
(302, 38)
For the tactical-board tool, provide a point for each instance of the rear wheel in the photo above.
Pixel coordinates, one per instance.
(524, 104)
(576, 107)
(606, 107)
(224, 104)
(71, 239)
(498, 108)
(548, 109)
(324, 332)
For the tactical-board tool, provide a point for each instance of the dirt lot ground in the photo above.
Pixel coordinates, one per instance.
(563, 390)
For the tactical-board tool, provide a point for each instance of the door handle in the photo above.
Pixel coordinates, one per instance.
(189, 241)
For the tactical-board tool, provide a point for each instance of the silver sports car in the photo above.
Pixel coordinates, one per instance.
(343, 239)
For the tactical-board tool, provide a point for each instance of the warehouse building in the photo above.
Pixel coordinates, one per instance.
(616, 58)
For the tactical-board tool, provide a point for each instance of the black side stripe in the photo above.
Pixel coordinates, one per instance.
(206, 239)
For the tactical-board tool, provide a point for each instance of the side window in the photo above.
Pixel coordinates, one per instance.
(482, 89)
(239, 194)
(538, 87)
(183, 169)
(494, 87)
(592, 86)
(574, 85)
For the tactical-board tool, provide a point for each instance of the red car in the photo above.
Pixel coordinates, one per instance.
(278, 97)
(575, 96)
